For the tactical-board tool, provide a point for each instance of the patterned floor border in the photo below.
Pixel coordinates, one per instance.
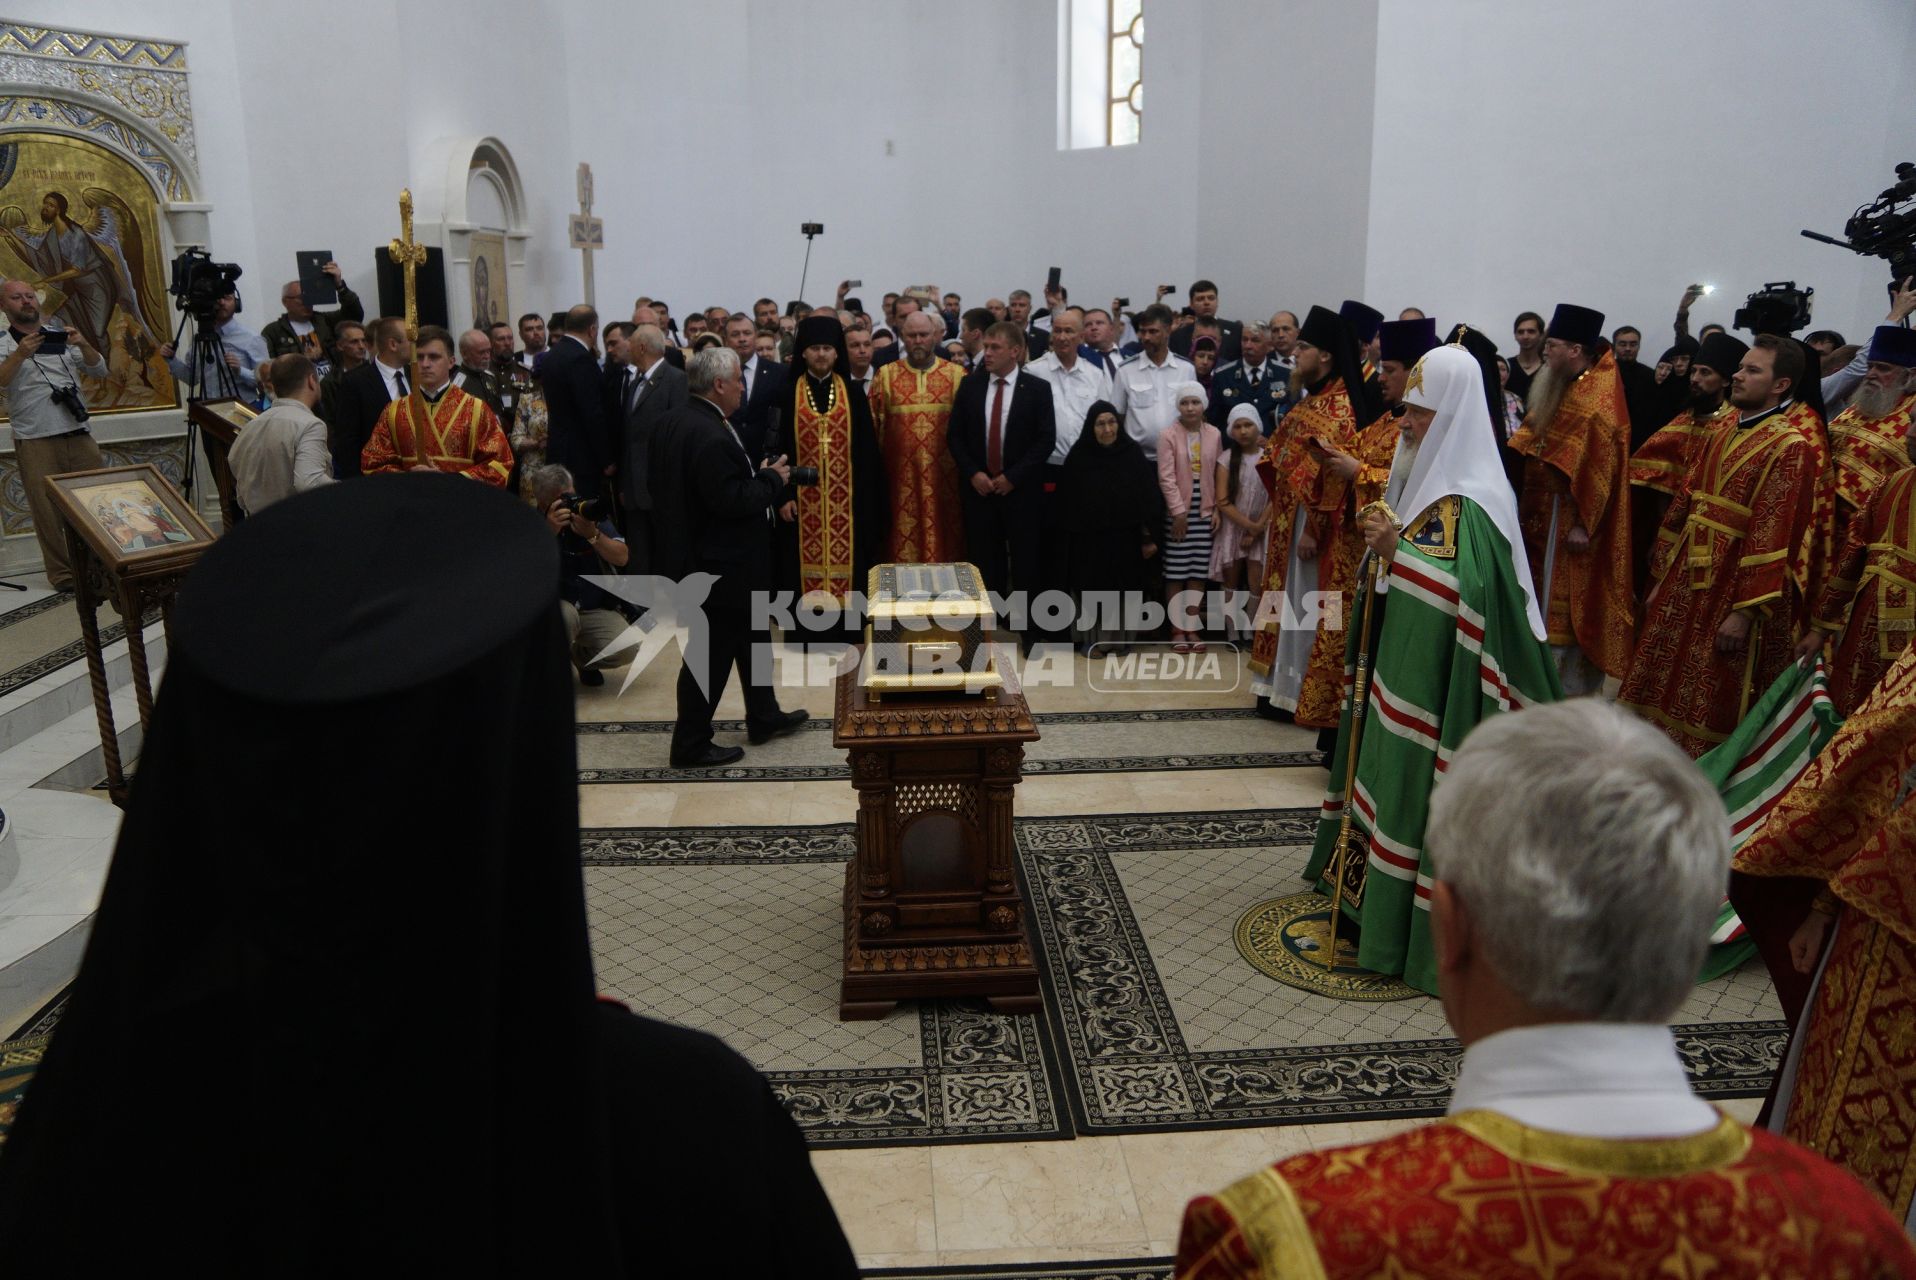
(1109, 1030)
(986, 1077)
(1132, 1072)
(839, 770)
(73, 651)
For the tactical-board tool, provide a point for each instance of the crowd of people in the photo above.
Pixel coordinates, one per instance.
(1499, 533)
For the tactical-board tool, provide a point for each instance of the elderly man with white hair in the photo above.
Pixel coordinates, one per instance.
(1571, 914)
(911, 402)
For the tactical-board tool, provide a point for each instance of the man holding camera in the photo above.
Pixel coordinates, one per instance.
(244, 350)
(588, 544)
(40, 380)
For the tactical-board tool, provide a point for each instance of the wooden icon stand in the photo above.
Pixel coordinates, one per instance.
(932, 907)
(131, 538)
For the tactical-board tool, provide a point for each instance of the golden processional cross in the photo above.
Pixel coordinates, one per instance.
(409, 255)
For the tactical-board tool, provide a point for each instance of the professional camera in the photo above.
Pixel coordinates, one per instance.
(199, 283)
(592, 509)
(1779, 309)
(68, 398)
(804, 475)
(1885, 227)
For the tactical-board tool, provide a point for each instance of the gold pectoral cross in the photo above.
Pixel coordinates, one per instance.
(409, 255)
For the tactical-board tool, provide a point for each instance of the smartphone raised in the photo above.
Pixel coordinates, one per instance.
(1051, 280)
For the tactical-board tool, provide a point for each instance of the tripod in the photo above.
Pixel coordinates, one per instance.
(209, 351)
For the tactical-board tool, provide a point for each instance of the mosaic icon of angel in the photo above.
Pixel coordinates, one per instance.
(93, 275)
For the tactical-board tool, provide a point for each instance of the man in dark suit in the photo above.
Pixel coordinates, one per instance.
(1229, 333)
(654, 390)
(765, 384)
(1001, 434)
(578, 437)
(365, 392)
(1639, 385)
(712, 510)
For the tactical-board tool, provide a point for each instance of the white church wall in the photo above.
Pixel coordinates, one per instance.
(737, 115)
(310, 120)
(1297, 152)
(1284, 152)
(1610, 154)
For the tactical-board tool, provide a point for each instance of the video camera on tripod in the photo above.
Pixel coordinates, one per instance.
(1884, 227)
(199, 283)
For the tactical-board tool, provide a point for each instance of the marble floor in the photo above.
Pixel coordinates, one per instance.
(917, 1206)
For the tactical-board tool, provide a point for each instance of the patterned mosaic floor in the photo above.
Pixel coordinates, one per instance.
(1153, 1023)
(1073, 742)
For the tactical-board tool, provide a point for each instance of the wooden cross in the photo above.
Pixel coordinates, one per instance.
(588, 232)
(409, 255)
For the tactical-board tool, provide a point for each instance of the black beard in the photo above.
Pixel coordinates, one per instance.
(1705, 403)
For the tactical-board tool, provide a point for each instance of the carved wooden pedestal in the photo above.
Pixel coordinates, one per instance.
(932, 906)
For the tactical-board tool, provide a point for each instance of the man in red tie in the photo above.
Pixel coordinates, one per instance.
(1001, 434)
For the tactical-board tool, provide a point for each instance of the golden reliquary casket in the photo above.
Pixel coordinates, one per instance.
(928, 628)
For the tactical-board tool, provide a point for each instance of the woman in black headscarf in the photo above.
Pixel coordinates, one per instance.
(1672, 394)
(1113, 512)
(336, 1014)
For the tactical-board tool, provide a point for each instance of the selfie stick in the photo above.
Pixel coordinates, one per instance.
(807, 269)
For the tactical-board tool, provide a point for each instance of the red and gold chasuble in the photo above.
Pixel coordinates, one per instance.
(1822, 546)
(1665, 457)
(1295, 479)
(1867, 452)
(824, 440)
(911, 411)
(1870, 597)
(1583, 454)
(1850, 821)
(460, 434)
(1739, 536)
(1480, 1195)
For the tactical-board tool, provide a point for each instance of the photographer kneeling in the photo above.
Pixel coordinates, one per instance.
(588, 544)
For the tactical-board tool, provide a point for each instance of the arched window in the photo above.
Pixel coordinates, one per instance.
(1124, 64)
(1100, 73)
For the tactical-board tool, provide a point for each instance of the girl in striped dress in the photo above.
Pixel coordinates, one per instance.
(1187, 466)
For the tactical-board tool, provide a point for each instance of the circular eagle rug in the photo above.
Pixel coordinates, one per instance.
(1285, 939)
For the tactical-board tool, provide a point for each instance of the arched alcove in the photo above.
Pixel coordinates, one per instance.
(474, 207)
(118, 112)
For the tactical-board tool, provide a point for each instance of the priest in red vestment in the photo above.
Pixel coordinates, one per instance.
(439, 427)
(1314, 544)
(1840, 849)
(833, 530)
(1576, 500)
(1734, 562)
(1866, 439)
(1570, 916)
(1658, 467)
(911, 403)
(1868, 601)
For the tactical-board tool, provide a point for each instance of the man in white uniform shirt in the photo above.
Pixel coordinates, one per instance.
(1076, 382)
(1145, 387)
